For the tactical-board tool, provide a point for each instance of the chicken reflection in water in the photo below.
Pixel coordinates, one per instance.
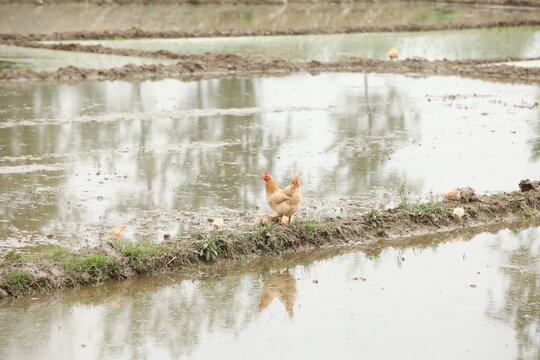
(281, 285)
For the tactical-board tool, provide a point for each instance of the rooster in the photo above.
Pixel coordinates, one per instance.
(284, 202)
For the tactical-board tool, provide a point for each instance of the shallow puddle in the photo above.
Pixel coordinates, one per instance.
(165, 156)
(51, 60)
(466, 297)
(26, 18)
(432, 45)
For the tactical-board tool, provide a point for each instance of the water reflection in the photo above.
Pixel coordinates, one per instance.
(432, 45)
(27, 18)
(159, 157)
(175, 316)
(281, 285)
(521, 306)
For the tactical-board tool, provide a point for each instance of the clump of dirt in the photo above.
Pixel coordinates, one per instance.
(21, 275)
(467, 195)
(527, 185)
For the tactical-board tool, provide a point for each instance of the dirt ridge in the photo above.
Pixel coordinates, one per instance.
(136, 33)
(218, 65)
(21, 275)
(527, 3)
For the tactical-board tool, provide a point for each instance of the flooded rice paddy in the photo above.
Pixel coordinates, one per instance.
(433, 45)
(51, 60)
(462, 295)
(26, 18)
(166, 156)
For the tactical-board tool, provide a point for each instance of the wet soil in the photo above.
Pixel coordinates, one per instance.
(21, 275)
(122, 2)
(216, 65)
(28, 18)
(135, 33)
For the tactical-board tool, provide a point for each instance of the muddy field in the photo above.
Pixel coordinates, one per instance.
(226, 65)
(127, 2)
(219, 64)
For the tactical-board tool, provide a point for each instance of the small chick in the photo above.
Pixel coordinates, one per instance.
(263, 220)
(452, 195)
(284, 220)
(393, 53)
(116, 234)
(218, 223)
(274, 217)
(458, 213)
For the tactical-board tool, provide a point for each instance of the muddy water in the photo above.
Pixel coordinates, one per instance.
(467, 297)
(165, 156)
(27, 18)
(52, 60)
(432, 45)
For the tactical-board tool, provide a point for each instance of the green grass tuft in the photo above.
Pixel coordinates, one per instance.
(95, 267)
(140, 255)
(208, 247)
(11, 256)
(375, 218)
(18, 283)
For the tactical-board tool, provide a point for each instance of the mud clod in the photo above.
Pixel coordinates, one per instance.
(467, 195)
(527, 185)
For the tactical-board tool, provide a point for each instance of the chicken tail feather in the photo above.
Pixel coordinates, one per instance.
(294, 182)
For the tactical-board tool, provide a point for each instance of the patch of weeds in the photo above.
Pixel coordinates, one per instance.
(208, 247)
(18, 282)
(266, 242)
(11, 256)
(140, 255)
(433, 209)
(309, 225)
(265, 230)
(312, 225)
(375, 218)
(404, 200)
(516, 198)
(59, 253)
(527, 211)
(96, 267)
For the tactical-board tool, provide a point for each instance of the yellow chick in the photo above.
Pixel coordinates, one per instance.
(263, 220)
(115, 234)
(458, 213)
(218, 223)
(393, 53)
(452, 195)
(284, 220)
